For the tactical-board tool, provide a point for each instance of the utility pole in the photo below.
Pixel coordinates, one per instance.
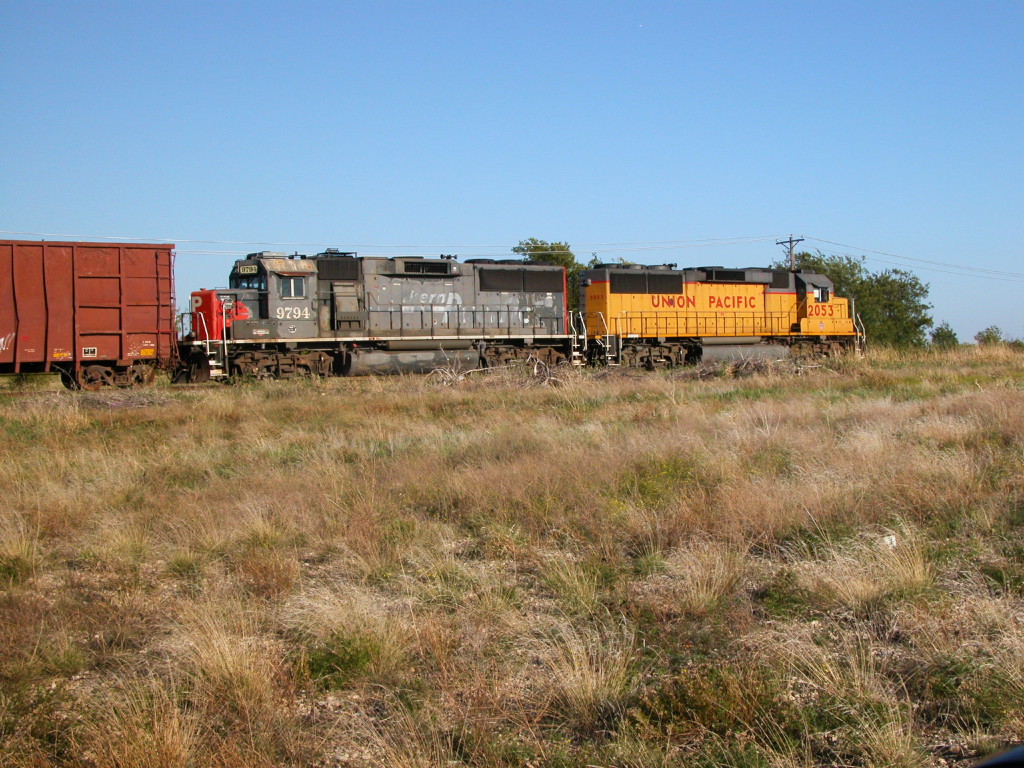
(792, 257)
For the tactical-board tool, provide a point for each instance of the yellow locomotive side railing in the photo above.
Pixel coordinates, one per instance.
(660, 324)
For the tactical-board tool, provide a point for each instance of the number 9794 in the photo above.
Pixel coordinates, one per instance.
(293, 313)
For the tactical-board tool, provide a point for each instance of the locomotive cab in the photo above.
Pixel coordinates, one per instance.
(278, 294)
(819, 311)
(271, 297)
(249, 278)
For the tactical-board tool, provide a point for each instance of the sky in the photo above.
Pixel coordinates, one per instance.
(695, 133)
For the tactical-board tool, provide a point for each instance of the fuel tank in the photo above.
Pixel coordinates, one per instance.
(372, 361)
(727, 352)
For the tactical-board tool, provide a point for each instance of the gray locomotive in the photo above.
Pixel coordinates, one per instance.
(340, 314)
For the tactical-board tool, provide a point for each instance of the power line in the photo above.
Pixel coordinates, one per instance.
(489, 250)
(921, 261)
(629, 246)
(934, 269)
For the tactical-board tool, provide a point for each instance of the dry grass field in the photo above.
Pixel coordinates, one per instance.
(799, 566)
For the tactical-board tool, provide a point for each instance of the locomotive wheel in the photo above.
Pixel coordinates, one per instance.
(92, 377)
(195, 370)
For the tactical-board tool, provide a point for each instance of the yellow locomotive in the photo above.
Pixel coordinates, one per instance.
(662, 316)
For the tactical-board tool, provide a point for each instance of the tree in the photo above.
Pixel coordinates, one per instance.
(944, 337)
(892, 304)
(897, 308)
(989, 336)
(559, 255)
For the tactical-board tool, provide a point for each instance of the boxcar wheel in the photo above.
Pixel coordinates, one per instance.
(67, 378)
(92, 377)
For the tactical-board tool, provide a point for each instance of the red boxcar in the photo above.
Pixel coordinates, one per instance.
(98, 313)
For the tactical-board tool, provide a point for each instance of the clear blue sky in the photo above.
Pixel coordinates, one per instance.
(464, 127)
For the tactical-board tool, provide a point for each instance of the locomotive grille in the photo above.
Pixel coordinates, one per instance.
(338, 269)
(546, 281)
(660, 283)
(426, 268)
(510, 280)
(628, 282)
(729, 275)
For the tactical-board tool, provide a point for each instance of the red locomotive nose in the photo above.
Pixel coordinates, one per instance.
(209, 317)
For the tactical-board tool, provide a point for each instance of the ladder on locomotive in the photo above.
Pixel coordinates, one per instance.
(577, 339)
(860, 335)
(580, 340)
(189, 326)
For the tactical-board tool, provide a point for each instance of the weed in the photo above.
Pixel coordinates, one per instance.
(594, 674)
(20, 552)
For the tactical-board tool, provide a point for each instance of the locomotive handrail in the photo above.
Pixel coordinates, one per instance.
(225, 326)
(698, 324)
(595, 326)
(860, 333)
(205, 340)
(578, 330)
(609, 355)
(467, 321)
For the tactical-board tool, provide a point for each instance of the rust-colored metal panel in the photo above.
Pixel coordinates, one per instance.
(91, 290)
(60, 320)
(74, 304)
(30, 304)
(8, 316)
(96, 319)
(92, 259)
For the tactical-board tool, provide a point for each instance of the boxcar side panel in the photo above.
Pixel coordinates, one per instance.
(60, 315)
(30, 304)
(140, 287)
(98, 302)
(8, 317)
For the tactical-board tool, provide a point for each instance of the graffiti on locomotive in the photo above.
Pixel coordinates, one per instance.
(417, 300)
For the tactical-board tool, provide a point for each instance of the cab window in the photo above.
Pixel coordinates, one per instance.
(248, 277)
(292, 287)
(249, 282)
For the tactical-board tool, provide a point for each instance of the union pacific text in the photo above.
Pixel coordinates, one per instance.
(713, 302)
(673, 302)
